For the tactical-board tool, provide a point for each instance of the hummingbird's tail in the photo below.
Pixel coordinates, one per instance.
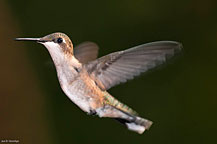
(117, 110)
(132, 122)
(137, 124)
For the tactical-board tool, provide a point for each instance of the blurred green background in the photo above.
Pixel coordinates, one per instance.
(180, 98)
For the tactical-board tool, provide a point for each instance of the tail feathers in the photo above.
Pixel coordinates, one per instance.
(133, 122)
(139, 125)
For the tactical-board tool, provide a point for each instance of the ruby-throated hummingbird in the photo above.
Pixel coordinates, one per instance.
(86, 79)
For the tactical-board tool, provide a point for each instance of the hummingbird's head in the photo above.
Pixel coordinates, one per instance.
(56, 43)
(59, 40)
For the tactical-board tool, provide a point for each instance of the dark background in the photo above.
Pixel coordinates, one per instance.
(180, 98)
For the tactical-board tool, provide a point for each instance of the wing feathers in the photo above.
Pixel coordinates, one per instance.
(86, 51)
(121, 66)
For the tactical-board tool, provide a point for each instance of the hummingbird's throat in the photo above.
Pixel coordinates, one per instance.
(58, 51)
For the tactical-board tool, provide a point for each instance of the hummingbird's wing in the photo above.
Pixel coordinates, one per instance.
(118, 67)
(86, 51)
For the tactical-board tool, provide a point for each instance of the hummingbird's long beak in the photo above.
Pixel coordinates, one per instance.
(27, 39)
(39, 40)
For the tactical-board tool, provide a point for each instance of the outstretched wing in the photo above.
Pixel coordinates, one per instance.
(118, 67)
(86, 51)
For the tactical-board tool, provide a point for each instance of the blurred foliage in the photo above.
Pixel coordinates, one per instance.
(180, 98)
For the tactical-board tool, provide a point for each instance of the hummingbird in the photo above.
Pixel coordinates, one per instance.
(85, 79)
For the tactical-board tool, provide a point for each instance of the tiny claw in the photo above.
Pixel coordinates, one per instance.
(92, 112)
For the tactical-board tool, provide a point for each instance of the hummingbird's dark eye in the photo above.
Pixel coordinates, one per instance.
(59, 40)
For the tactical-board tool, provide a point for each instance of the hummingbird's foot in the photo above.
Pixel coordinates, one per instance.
(92, 112)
